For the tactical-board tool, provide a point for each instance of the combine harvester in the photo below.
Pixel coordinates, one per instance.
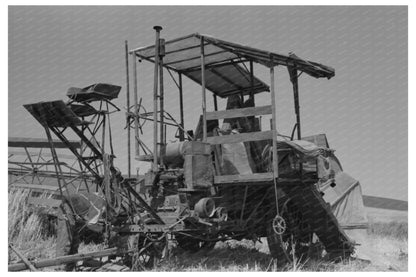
(231, 178)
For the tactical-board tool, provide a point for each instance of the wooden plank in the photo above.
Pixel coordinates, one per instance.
(204, 96)
(259, 179)
(45, 154)
(36, 163)
(65, 259)
(253, 136)
(256, 177)
(244, 112)
(274, 123)
(25, 261)
(39, 143)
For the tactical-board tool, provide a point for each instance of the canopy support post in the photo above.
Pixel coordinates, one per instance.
(215, 102)
(273, 127)
(181, 133)
(155, 96)
(293, 73)
(136, 105)
(252, 82)
(204, 100)
(128, 111)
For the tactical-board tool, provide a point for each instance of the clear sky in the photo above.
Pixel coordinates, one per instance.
(363, 109)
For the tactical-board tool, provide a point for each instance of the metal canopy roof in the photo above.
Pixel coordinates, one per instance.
(223, 73)
(228, 79)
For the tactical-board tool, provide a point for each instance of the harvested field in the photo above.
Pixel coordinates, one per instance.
(387, 242)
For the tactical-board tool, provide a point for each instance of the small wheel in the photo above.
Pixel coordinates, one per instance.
(296, 239)
(279, 225)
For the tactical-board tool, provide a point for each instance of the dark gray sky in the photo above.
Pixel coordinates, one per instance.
(363, 109)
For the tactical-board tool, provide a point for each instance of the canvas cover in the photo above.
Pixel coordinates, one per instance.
(346, 201)
(340, 190)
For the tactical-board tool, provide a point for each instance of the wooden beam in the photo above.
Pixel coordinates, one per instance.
(155, 98)
(181, 132)
(24, 259)
(215, 102)
(260, 179)
(256, 177)
(38, 163)
(273, 127)
(65, 259)
(40, 143)
(293, 73)
(252, 81)
(244, 112)
(253, 136)
(212, 65)
(204, 96)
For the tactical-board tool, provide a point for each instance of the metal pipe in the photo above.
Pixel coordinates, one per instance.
(161, 99)
(204, 100)
(181, 132)
(128, 110)
(155, 96)
(273, 127)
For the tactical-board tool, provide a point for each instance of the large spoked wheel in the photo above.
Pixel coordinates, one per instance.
(191, 244)
(289, 237)
(141, 119)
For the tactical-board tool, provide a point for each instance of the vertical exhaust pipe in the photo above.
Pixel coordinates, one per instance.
(162, 142)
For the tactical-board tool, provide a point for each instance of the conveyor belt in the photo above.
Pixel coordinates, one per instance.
(321, 219)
